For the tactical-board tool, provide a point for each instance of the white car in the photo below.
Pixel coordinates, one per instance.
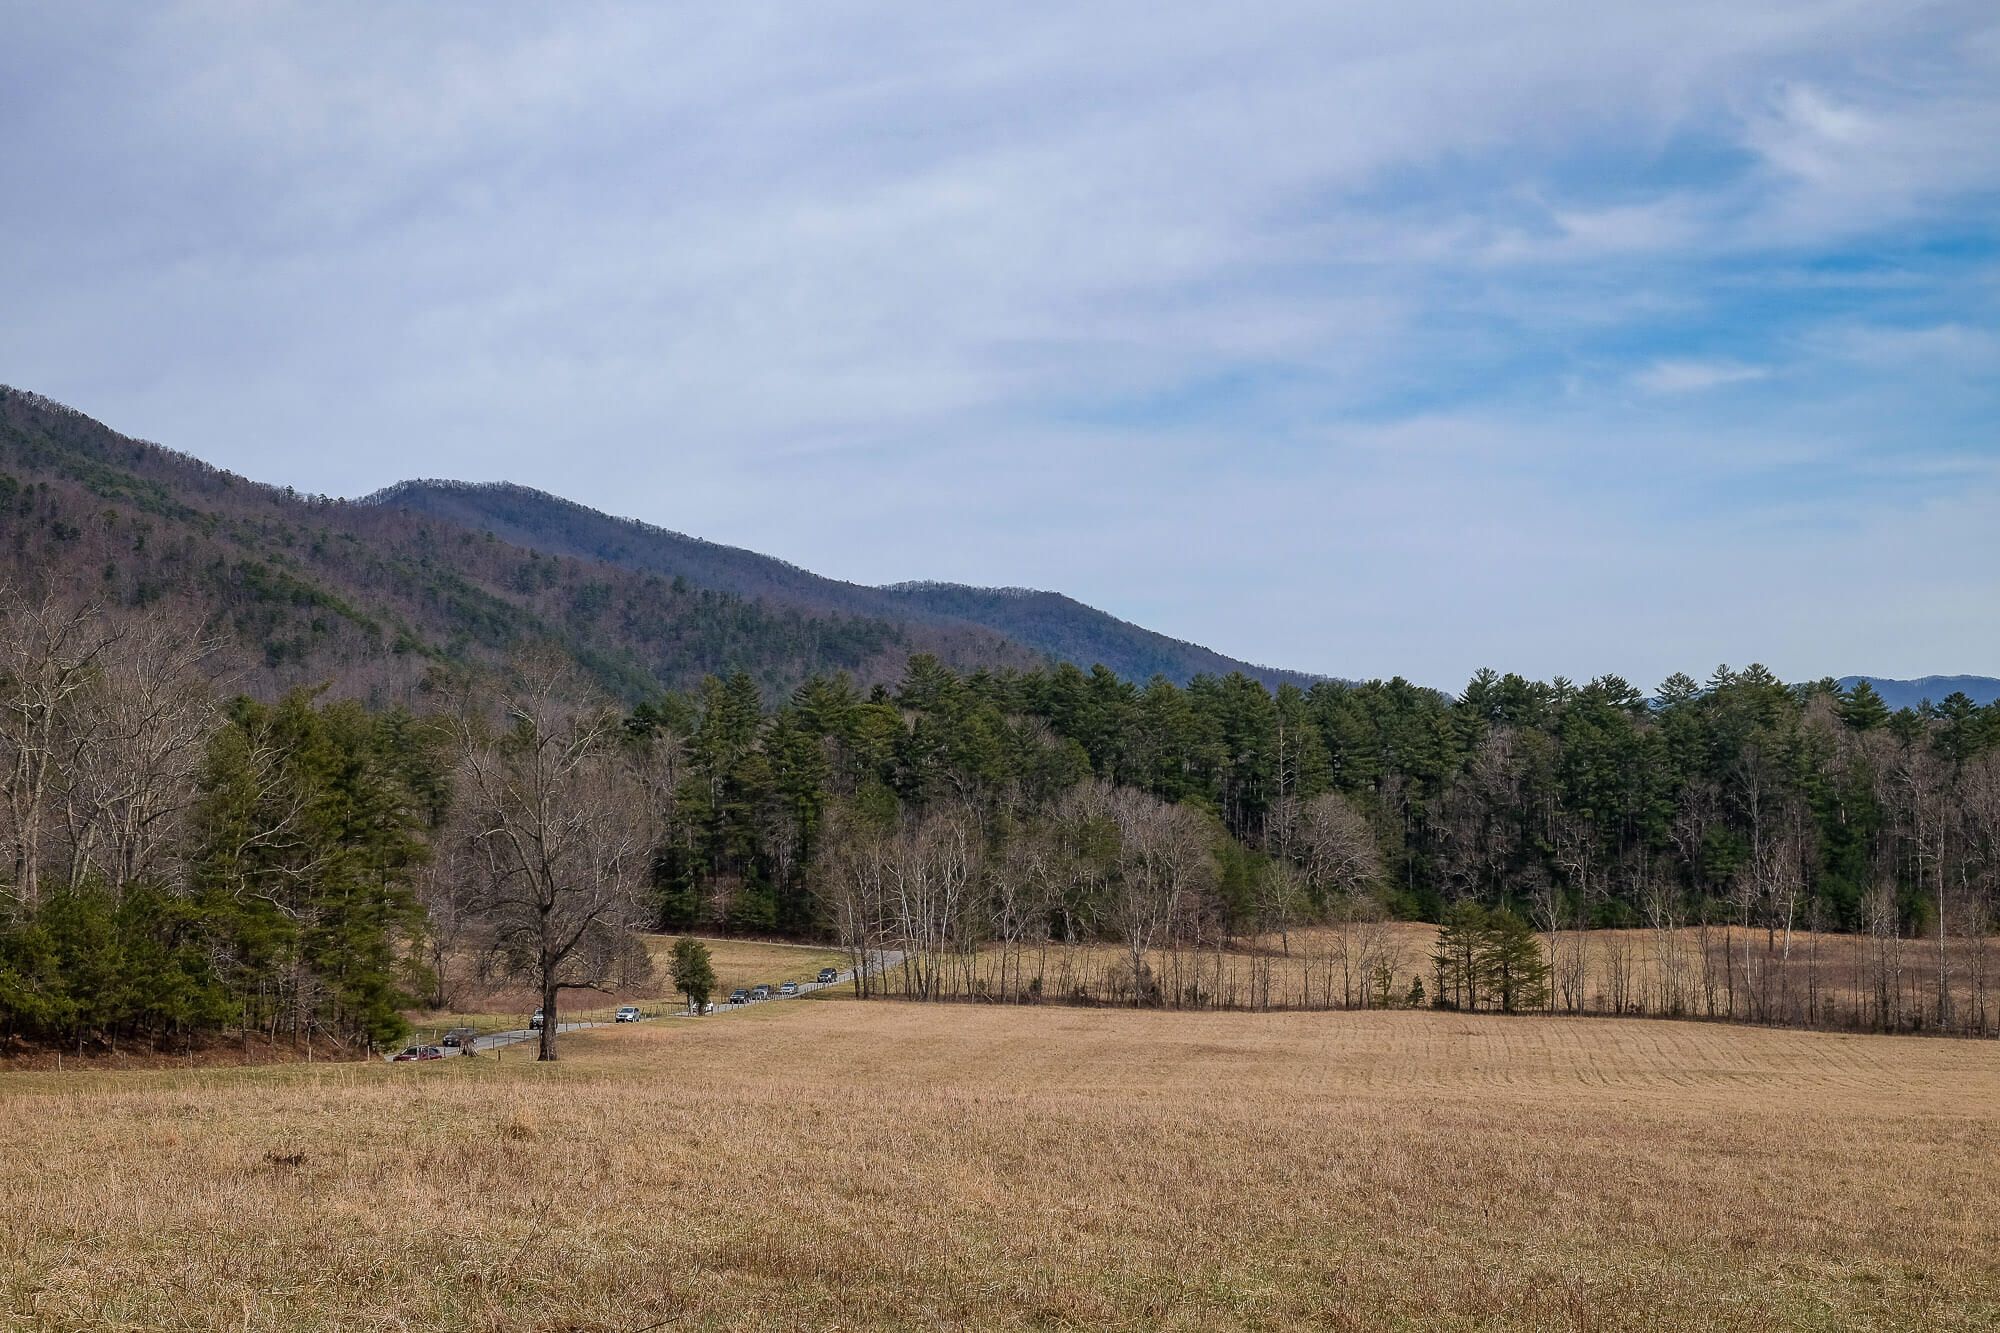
(626, 1014)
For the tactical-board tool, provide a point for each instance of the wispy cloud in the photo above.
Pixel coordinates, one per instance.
(1679, 376)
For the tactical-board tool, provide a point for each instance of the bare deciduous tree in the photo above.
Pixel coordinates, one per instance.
(140, 758)
(1333, 845)
(103, 722)
(1166, 870)
(51, 658)
(560, 829)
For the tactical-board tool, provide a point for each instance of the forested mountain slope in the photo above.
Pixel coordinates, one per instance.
(1046, 623)
(550, 524)
(372, 596)
(1069, 631)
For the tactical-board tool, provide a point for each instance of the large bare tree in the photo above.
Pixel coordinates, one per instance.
(558, 823)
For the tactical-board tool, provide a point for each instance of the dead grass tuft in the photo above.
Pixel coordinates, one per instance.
(520, 1126)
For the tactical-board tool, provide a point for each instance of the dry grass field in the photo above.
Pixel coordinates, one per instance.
(861, 1165)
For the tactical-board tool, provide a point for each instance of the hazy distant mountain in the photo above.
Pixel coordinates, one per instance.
(1910, 693)
(1047, 623)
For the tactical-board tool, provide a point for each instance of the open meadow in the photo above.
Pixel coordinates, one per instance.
(850, 1165)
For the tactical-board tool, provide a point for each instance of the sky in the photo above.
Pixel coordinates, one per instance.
(1357, 339)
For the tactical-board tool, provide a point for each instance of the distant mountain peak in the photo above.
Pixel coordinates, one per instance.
(1916, 692)
(412, 494)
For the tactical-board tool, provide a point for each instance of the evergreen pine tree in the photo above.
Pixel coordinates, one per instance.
(1862, 709)
(1511, 963)
(694, 972)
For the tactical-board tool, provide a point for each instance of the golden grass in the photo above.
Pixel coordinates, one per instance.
(861, 1165)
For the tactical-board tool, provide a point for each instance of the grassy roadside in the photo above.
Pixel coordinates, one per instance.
(738, 963)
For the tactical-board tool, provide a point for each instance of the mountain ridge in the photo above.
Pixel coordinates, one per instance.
(1053, 624)
(372, 599)
(372, 595)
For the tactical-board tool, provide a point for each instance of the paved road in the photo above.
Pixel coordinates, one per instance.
(881, 962)
(493, 1041)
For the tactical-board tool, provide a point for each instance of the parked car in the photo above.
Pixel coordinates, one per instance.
(460, 1040)
(739, 997)
(627, 1013)
(789, 988)
(760, 992)
(419, 1053)
(535, 1023)
(828, 975)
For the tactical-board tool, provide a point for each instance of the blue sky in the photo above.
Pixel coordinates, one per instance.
(1367, 340)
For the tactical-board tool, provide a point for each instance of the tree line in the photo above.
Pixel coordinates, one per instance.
(1734, 823)
(179, 863)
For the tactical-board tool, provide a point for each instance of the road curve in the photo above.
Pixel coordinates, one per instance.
(493, 1041)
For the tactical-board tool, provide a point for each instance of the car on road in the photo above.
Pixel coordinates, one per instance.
(628, 1013)
(760, 992)
(459, 1041)
(419, 1053)
(789, 988)
(828, 975)
(739, 997)
(535, 1023)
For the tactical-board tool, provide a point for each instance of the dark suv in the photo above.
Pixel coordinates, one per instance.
(828, 976)
(739, 997)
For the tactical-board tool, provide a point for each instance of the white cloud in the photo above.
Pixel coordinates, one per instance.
(1683, 376)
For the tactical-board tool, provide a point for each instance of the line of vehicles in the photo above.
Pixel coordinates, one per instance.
(463, 1041)
(627, 1013)
(827, 976)
(458, 1041)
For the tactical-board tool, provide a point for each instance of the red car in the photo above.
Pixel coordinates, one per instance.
(419, 1053)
